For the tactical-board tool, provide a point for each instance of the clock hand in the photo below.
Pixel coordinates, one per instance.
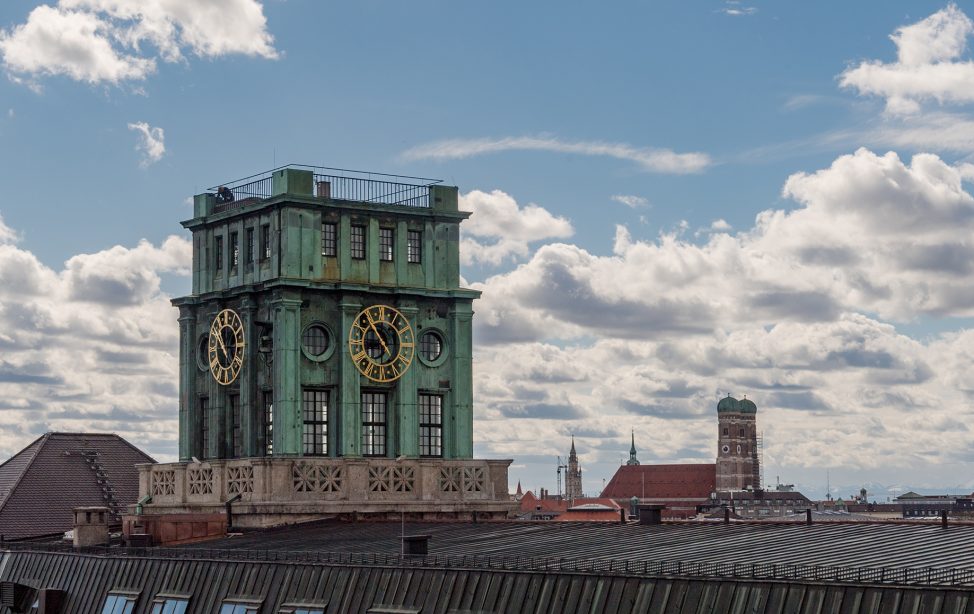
(385, 348)
(223, 347)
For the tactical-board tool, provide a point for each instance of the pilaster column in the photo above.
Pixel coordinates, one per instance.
(286, 308)
(458, 424)
(250, 419)
(188, 420)
(407, 408)
(349, 401)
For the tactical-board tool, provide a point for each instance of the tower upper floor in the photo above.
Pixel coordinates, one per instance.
(331, 228)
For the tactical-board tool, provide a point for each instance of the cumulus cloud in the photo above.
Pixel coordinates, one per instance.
(7, 234)
(92, 346)
(499, 229)
(929, 65)
(655, 160)
(113, 41)
(152, 143)
(790, 311)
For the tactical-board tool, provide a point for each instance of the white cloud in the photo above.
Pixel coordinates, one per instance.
(7, 234)
(152, 143)
(928, 66)
(633, 202)
(499, 230)
(649, 159)
(787, 311)
(91, 347)
(110, 41)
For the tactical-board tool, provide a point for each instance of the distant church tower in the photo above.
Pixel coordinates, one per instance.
(737, 445)
(573, 479)
(632, 452)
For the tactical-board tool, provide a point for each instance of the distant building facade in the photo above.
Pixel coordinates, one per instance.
(737, 445)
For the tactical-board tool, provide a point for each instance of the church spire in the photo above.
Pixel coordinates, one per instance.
(632, 451)
(572, 453)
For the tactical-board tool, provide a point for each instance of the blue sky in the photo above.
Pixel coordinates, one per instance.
(704, 191)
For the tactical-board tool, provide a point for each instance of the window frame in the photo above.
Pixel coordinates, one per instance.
(234, 250)
(374, 429)
(267, 400)
(318, 423)
(329, 239)
(357, 242)
(430, 429)
(265, 242)
(160, 602)
(218, 253)
(128, 603)
(236, 426)
(414, 246)
(204, 409)
(251, 246)
(387, 244)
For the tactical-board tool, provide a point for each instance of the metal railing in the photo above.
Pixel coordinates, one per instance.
(925, 576)
(335, 184)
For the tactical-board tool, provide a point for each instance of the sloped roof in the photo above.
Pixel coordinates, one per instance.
(689, 481)
(530, 503)
(41, 484)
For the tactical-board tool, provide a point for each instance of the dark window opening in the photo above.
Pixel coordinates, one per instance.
(204, 427)
(249, 254)
(219, 253)
(414, 246)
(268, 422)
(430, 346)
(386, 244)
(373, 423)
(329, 239)
(315, 340)
(430, 425)
(234, 251)
(237, 431)
(315, 422)
(265, 241)
(358, 242)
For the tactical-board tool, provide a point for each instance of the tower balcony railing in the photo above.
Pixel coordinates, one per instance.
(333, 184)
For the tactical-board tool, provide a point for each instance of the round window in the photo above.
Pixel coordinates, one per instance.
(430, 346)
(738, 449)
(203, 354)
(315, 340)
(725, 449)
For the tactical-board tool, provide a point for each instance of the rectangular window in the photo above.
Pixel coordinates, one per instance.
(373, 423)
(265, 241)
(229, 607)
(430, 425)
(269, 422)
(358, 242)
(219, 253)
(329, 239)
(118, 604)
(204, 426)
(386, 244)
(234, 251)
(169, 605)
(249, 254)
(414, 246)
(315, 422)
(237, 432)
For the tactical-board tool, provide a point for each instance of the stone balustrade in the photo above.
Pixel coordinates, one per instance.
(312, 480)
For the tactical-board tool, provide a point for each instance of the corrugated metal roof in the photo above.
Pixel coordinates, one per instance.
(87, 580)
(866, 545)
(61, 471)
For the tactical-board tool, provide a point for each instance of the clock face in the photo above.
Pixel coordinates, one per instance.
(226, 346)
(381, 343)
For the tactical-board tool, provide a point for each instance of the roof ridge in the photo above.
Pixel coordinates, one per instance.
(29, 449)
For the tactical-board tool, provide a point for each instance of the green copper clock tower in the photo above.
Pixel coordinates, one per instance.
(326, 319)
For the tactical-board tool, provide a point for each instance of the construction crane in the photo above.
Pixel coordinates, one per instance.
(560, 467)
